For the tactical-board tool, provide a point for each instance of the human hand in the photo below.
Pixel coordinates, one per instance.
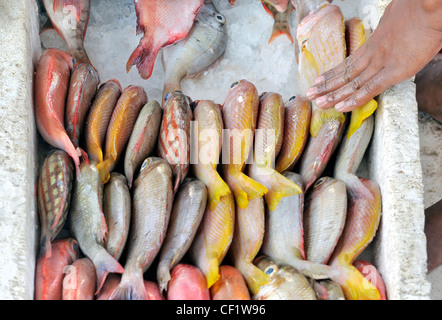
(408, 36)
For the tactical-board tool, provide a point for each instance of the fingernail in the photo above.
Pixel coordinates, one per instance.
(319, 80)
(321, 101)
(310, 93)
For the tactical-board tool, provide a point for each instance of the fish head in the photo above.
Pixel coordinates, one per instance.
(176, 96)
(59, 55)
(69, 247)
(241, 93)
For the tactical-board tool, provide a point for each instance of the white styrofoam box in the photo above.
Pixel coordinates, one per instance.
(399, 249)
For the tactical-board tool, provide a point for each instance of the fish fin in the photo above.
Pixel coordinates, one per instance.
(212, 272)
(104, 265)
(320, 117)
(75, 4)
(163, 276)
(104, 170)
(245, 188)
(45, 247)
(254, 277)
(358, 116)
(267, 8)
(308, 64)
(143, 57)
(313, 270)
(135, 290)
(217, 189)
(279, 32)
(180, 176)
(355, 285)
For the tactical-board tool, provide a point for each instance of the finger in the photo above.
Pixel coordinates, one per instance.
(367, 92)
(339, 76)
(331, 99)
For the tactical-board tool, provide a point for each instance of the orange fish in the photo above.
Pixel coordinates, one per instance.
(80, 280)
(240, 114)
(163, 23)
(187, 282)
(371, 273)
(51, 88)
(296, 132)
(49, 271)
(98, 118)
(230, 286)
(363, 216)
(121, 124)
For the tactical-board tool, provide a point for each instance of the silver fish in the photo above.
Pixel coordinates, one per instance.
(88, 224)
(142, 139)
(202, 48)
(117, 205)
(324, 218)
(152, 197)
(286, 282)
(284, 235)
(187, 213)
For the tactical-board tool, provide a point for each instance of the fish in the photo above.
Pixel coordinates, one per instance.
(297, 116)
(318, 152)
(117, 205)
(70, 18)
(247, 240)
(187, 283)
(240, 114)
(174, 135)
(142, 139)
(79, 282)
(112, 281)
(305, 7)
(83, 86)
(98, 118)
(54, 196)
(213, 238)
(230, 286)
(324, 218)
(187, 213)
(351, 151)
(88, 224)
(152, 198)
(268, 140)
(201, 50)
(356, 36)
(322, 46)
(281, 24)
(208, 128)
(49, 271)
(371, 273)
(278, 5)
(50, 88)
(121, 124)
(364, 211)
(284, 235)
(327, 290)
(162, 24)
(286, 284)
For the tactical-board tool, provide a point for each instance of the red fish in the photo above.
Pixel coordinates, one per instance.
(80, 280)
(230, 286)
(51, 88)
(50, 271)
(187, 283)
(163, 23)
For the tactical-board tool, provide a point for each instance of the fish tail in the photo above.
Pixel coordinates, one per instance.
(180, 176)
(71, 4)
(355, 285)
(144, 58)
(104, 265)
(254, 277)
(358, 116)
(278, 186)
(132, 289)
(104, 170)
(212, 272)
(245, 188)
(163, 276)
(217, 188)
(280, 32)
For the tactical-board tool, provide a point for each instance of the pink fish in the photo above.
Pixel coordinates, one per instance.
(163, 23)
(79, 282)
(187, 283)
(51, 88)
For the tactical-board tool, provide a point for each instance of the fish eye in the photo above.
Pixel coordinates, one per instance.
(143, 165)
(220, 18)
(292, 98)
(194, 104)
(75, 246)
(234, 84)
(269, 270)
(167, 95)
(319, 182)
(262, 94)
